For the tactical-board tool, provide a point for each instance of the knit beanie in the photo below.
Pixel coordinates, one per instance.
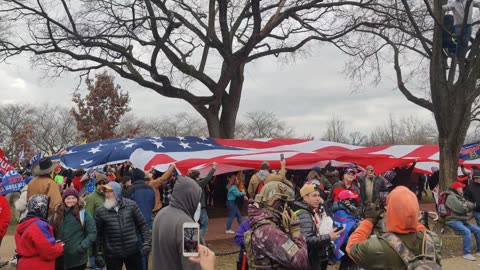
(70, 192)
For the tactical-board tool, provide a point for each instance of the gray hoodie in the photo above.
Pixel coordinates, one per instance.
(167, 226)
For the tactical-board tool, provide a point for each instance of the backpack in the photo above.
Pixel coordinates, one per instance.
(424, 261)
(442, 209)
(247, 241)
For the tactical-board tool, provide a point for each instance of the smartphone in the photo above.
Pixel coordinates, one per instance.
(338, 229)
(191, 237)
(282, 157)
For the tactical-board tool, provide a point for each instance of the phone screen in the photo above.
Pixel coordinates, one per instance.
(190, 240)
(338, 229)
(282, 157)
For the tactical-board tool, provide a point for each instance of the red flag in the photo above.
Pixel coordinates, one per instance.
(5, 166)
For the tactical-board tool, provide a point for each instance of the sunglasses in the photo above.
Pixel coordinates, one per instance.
(107, 191)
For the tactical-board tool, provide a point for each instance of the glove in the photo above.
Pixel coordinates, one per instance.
(372, 214)
(99, 261)
(294, 225)
(146, 250)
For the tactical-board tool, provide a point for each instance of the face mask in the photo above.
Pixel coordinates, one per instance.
(196, 216)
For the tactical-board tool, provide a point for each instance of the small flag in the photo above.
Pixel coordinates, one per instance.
(21, 155)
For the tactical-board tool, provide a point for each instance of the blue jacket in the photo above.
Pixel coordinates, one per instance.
(244, 227)
(233, 193)
(144, 196)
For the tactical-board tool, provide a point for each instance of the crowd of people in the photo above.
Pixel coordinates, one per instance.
(116, 217)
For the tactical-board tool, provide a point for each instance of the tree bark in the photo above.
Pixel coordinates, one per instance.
(448, 162)
(221, 124)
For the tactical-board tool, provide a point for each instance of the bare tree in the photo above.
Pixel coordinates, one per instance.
(335, 130)
(262, 124)
(130, 126)
(15, 119)
(414, 131)
(389, 133)
(54, 129)
(409, 34)
(173, 47)
(407, 130)
(357, 138)
(182, 124)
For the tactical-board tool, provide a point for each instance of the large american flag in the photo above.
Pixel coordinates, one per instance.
(231, 155)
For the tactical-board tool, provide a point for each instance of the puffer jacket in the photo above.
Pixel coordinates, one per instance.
(317, 244)
(118, 232)
(472, 194)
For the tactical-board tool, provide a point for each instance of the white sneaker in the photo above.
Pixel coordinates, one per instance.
(469, 257)
(229, 232)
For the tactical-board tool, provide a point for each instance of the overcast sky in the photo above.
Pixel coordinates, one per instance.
(305, 93)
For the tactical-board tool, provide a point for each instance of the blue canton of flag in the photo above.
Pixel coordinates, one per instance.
(119, 150)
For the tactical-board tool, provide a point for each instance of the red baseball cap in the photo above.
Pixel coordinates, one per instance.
(347, 194)
(456, 185)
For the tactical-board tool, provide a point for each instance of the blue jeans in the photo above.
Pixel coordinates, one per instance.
(203, 221)
(476, 215)
(467, 229)
(91, 264)
(465, 39)
(233, 212)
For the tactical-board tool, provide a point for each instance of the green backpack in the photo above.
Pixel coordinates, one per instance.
(247, 241)
(424, 261)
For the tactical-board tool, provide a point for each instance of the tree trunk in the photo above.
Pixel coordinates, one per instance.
(448, 162)
(213, 124)
(221, 124)
(453, 122)
(231, 103)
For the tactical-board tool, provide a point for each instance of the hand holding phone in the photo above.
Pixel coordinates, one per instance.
(335, 233)
(191, 236)
(282, 157)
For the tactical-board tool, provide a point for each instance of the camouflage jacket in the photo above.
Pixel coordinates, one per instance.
(272, 246)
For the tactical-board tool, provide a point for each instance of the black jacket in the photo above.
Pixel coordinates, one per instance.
(472, 193)
(317, 244)
(118, 233)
